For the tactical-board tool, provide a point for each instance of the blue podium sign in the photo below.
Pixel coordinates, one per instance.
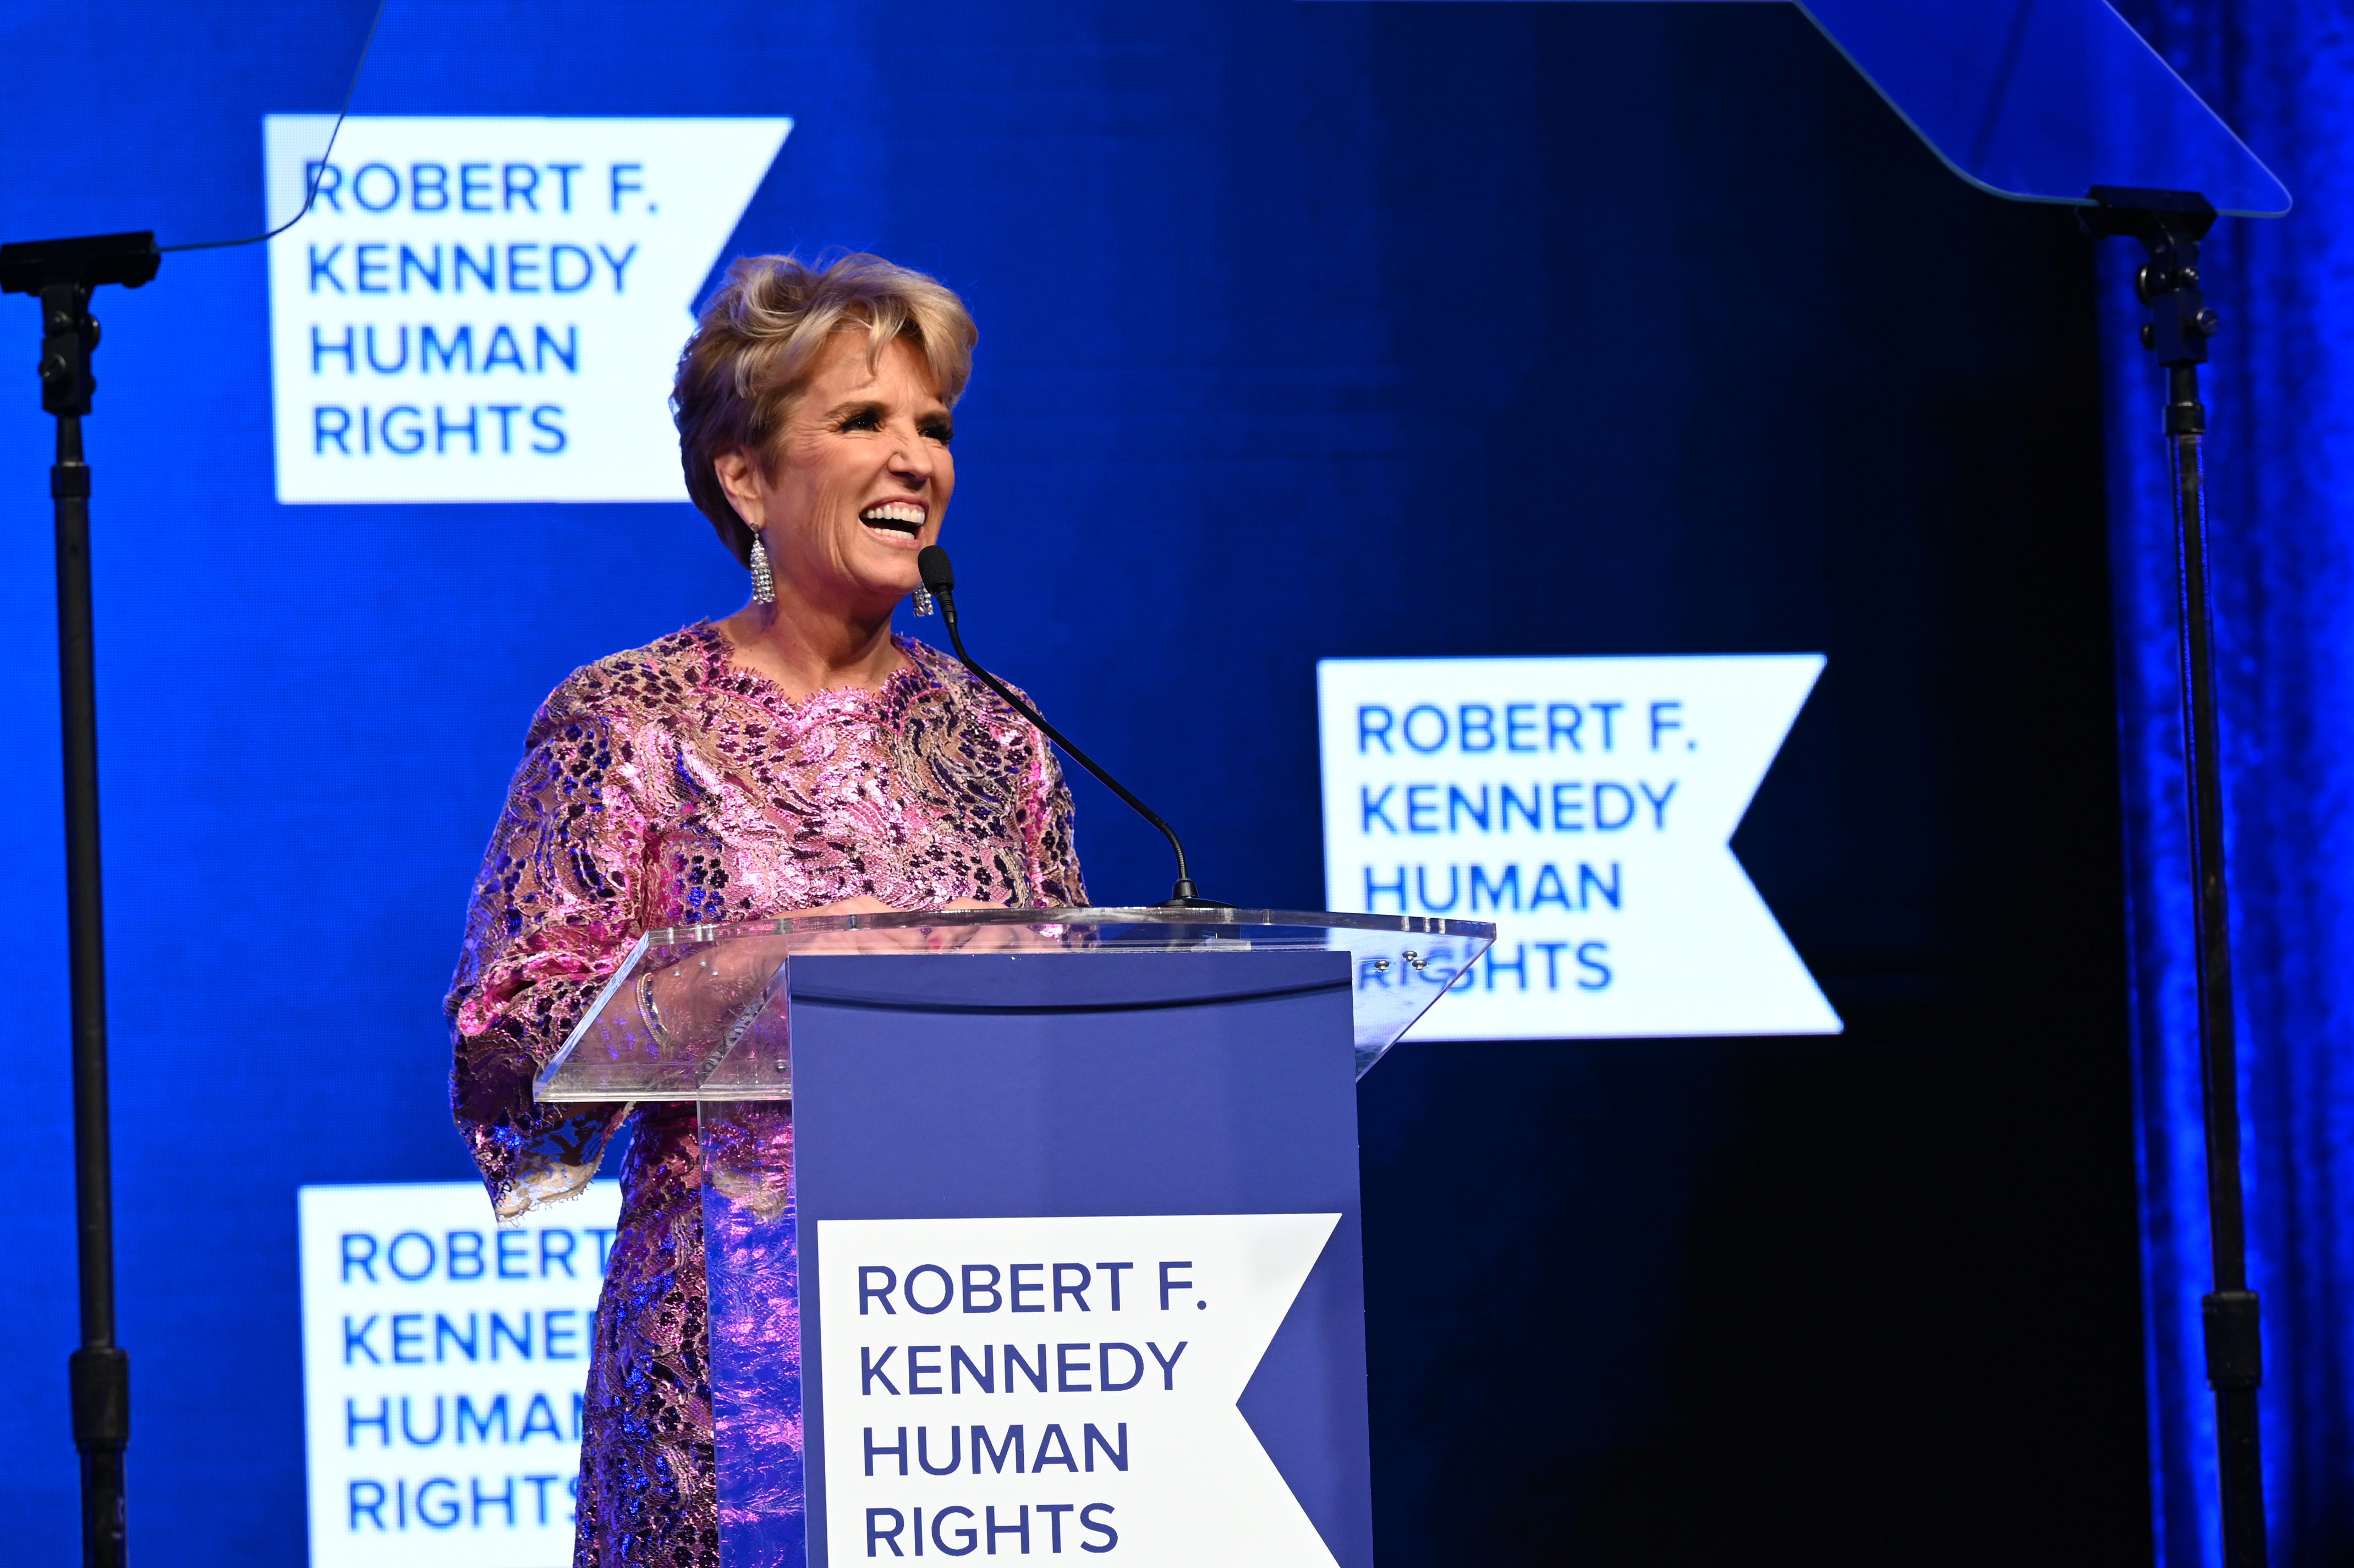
(1058, 1213)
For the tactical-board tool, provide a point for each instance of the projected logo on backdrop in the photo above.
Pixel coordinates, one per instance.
(443, 1360)
(490, 309)
(1583, 805)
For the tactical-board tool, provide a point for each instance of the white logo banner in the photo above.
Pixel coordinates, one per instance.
(443, 1361)
(1586, 807)
(491, 309)
(1058, 1386)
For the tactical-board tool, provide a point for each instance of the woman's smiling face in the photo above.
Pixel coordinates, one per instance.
(860, 477)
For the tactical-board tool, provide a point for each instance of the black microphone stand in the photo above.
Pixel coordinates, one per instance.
(2169, 224)
(61, 273)
(939, 581)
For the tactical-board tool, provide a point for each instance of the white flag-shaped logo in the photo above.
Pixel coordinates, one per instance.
(1586, 806)
(981, 1392)
(491, 309)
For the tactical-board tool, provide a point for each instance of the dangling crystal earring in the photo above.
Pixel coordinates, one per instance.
(923, 601)
(764, 585)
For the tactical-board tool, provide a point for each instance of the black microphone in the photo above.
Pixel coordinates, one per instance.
(939, 581)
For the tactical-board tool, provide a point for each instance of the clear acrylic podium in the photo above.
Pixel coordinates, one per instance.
(1028, 1232)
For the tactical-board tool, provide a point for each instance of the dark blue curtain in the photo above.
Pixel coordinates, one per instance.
(2281, 403)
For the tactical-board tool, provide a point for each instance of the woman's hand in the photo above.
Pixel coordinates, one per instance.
(901, 938)
(951, 936)
(864, 904)
(696, 998)
(988, 937)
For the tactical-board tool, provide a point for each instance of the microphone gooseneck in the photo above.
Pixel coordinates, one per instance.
(939, 581)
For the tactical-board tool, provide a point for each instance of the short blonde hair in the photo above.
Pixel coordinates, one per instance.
(757, 342)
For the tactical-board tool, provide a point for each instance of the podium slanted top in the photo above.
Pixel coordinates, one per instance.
(701, 1012)
(2042, 101)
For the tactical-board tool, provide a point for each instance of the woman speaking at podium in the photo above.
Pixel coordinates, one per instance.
(795, 758)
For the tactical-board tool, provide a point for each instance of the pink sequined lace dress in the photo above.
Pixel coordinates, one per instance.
(668, 786)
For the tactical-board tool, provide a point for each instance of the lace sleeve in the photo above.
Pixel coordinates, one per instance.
(1047, 818)
(554, 914)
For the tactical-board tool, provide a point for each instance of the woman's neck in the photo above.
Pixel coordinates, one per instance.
(806, 650)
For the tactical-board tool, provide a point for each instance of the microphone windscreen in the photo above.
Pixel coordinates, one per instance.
(938, 576)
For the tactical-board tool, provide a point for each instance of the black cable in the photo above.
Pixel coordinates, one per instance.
(940, 582)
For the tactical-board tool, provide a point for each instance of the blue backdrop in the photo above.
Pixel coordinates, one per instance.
(1307, 331)
(2282, 521)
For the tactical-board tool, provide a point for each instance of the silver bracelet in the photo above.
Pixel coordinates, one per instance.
(651, 1013)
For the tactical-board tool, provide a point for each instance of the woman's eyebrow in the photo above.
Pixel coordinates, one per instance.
(858, 405)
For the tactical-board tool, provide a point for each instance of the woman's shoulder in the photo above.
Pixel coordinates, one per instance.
(933, 665)
(637, 683)
(946, 672)
(967, 704)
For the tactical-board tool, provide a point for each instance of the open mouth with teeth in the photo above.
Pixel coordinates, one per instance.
(903, 518)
